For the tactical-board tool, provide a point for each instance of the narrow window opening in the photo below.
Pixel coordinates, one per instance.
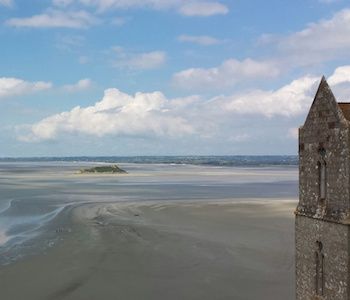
(319, 257)
(322, 179)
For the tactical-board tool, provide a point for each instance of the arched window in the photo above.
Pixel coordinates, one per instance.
(322, 180)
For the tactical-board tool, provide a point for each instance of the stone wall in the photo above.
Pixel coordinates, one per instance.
(335, 240)
(325, 136)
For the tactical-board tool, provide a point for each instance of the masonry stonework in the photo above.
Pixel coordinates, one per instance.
(334, 238)
(322, 227)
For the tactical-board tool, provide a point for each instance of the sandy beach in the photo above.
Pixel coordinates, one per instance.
(155, 251)
(156, 234)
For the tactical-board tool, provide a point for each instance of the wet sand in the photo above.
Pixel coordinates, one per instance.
(227, 249)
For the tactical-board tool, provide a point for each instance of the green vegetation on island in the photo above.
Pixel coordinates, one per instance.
(113, 169)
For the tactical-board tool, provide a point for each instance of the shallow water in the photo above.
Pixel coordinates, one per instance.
(33, 194)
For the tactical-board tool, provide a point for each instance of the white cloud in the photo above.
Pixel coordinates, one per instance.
(116, 114)
(14, 86)
(55, 18)
(319, 42)
(203, 9)
(187, 8)
(340, 81)
(152, 114)
(228, 73)
(81, 85)
(140, 61)
(340, 75)
(7, 3)
(290, 100)
(203, 40)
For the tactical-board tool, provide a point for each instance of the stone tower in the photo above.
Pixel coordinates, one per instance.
(322, 224)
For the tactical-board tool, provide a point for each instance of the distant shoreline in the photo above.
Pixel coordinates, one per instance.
(224, 161)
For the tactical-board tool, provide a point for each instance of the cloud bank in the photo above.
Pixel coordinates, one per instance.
(116, 114)
(152, 114)
(290, 100)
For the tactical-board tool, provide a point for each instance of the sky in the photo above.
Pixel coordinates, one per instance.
(165, 77)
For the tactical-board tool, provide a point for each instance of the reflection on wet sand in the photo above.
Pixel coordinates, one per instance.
(161, 232)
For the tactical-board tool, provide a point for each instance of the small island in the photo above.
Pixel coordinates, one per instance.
(113, 169)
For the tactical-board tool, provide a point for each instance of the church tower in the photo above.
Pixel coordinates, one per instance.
(322, 224)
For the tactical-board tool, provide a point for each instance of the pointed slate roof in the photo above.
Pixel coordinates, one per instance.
(341, 110)
(344, 106)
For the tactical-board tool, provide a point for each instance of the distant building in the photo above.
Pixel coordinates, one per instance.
(322, 225)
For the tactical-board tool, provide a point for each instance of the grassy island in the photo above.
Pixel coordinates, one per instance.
(114, 169)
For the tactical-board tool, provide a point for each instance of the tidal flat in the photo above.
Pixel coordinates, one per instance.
(162, 231)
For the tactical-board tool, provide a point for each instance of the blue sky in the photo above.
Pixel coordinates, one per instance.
(165, 77)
